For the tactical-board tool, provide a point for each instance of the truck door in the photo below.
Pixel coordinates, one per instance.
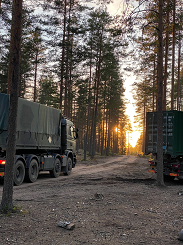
(70, 138)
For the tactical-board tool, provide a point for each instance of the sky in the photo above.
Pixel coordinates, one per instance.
(116, 7)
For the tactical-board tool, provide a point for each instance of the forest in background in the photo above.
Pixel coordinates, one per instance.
(74, 57)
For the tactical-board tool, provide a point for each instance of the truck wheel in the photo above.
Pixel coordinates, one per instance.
(19, 173)
(31, 173)
(68, 167)
(56, 169)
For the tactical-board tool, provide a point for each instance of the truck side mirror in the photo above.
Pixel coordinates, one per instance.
(59, 130)
(76, 135)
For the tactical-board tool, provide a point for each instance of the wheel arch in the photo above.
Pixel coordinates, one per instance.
(18, 157)
(57, 156)
(30, 158)
(69, 154)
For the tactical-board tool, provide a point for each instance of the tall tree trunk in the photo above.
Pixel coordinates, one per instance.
(102, 138)
(160, 179)
(92, 123)
(178, 78)
(103, 121)
(144, 129)
(97, 97)
(63, 55)
(67, 82)
(70, 87)
(89, 101)
(99, 137)
(117, 149)
(166, 55)
(16, 27)
(106, 133)
(69, 58)
(35, 77)
(109, 133)
(113, 143)
(154, 82)
(86, 133)
(173, 57)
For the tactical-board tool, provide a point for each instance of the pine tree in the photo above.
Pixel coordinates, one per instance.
(48, 92)
(16, 27)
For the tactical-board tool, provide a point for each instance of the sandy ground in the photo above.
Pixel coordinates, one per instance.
(110, 200)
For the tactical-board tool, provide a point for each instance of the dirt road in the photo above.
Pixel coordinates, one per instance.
(111, 200)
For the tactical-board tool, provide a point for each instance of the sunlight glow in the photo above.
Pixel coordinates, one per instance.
(133, 136)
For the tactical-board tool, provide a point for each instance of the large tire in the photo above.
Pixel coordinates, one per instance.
(68, 167)
(19, 173)
(55, 173)
(32, 172)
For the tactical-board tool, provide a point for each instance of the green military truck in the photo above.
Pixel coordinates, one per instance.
(46, 141)
(172, 142)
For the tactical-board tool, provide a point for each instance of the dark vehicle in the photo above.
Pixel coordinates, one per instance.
(45, 140)
(172, 142)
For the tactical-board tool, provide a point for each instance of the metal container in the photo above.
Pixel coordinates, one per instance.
(172, 133)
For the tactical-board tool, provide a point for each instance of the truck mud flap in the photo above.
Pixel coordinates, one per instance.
(64, 161)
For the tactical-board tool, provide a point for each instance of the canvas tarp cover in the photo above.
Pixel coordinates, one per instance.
(4, 110)
(38, 126)
(49, 127)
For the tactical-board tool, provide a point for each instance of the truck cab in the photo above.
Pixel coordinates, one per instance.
(68, 138)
